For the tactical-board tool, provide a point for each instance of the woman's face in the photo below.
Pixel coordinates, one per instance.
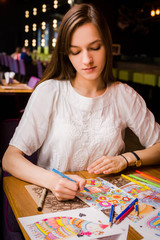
(87, 53)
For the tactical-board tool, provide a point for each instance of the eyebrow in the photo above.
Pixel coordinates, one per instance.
(98, 40)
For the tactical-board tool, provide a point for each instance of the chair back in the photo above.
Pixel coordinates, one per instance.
(22, 67)
(6, 63)
(33, 81)
(10, 229)
(39, 68)
(7, 128)
(15, 66)
(10, 63)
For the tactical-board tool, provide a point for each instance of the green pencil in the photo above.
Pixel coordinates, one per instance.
(143, 180)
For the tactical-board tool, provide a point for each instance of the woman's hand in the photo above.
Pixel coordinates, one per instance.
(65, 189)
(107, 165)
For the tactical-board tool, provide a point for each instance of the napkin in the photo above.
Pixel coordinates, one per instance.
(9, 77)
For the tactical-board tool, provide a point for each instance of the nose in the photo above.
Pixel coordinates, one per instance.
(87, 58)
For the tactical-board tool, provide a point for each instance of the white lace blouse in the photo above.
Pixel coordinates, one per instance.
(71, 131)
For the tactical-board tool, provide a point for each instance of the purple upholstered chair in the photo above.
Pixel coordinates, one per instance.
(6, 63)
(26, 70)
(39, 68)
(22, 69)
(10, 63)
(10, 227)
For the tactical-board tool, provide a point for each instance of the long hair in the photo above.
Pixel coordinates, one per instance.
(60, 67)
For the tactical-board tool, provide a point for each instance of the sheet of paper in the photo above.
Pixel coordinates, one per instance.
(150, 197)
(149, 226)
(50, 203)
(103, 194)
(86, 223)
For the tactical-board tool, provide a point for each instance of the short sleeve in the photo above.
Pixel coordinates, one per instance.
(33, 127)
(138, 117)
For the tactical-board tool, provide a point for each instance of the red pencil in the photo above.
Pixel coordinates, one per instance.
(148, 176)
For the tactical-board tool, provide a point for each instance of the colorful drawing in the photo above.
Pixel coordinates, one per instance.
(103, 194)
(150, 225)
(149, 197)
(63, 227)
(72, 224)
(155, 222)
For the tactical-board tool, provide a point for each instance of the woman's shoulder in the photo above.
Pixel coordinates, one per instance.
(123, 90)
(51, 85)
(122, 87)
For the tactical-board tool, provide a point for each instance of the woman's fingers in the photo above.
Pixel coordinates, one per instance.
(96, 165)
(66, 189)
(107, 165)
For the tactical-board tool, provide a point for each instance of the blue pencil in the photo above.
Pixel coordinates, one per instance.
(136, 208)
(127, 208)
(111, 215)
(64, 176)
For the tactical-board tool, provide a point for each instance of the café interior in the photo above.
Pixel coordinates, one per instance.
(34, 24)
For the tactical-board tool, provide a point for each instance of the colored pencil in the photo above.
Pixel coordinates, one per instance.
(149, 176)
(111, 215)
(143, 180)
(136, 182)
(126, 209)
(125, 214)
(41, 201)
(65, 176)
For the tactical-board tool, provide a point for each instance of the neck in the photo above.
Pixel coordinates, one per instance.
(89, 88)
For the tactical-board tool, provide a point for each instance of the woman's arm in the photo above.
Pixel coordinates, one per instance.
(108, 165)
(16, 164)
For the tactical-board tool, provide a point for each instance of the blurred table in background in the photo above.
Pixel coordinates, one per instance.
(13, 98)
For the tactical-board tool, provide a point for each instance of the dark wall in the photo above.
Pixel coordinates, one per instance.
(11, 25)
(136, 32)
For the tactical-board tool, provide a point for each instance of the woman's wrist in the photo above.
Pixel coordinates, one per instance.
(132, 159)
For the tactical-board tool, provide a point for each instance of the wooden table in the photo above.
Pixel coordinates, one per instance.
(23, 205)
(15, 87)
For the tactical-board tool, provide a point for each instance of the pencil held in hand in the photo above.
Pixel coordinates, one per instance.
(65, 176)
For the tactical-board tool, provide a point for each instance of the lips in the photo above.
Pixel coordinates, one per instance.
(89, 69)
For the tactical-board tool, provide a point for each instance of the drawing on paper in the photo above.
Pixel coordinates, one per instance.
(151, 224)
(51, 204)
(154, 222)
(64, 227)
(103, 194)
(149, 197)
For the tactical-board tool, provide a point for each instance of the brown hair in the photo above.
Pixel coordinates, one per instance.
(60, 67)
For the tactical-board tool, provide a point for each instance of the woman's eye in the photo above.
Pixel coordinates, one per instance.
(96, 48)
(74, 53)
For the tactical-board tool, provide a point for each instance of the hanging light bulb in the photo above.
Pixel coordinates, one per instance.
(157, 11)
(26, 14)
(34, 11)
(153, 13)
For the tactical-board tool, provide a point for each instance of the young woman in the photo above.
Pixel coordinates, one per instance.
(78, 114)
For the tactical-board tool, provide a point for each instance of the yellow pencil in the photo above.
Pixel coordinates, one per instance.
(136, 182)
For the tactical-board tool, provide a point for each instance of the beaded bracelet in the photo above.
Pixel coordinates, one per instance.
(125, 159)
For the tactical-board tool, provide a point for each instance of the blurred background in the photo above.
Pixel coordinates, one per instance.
(134, 24)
